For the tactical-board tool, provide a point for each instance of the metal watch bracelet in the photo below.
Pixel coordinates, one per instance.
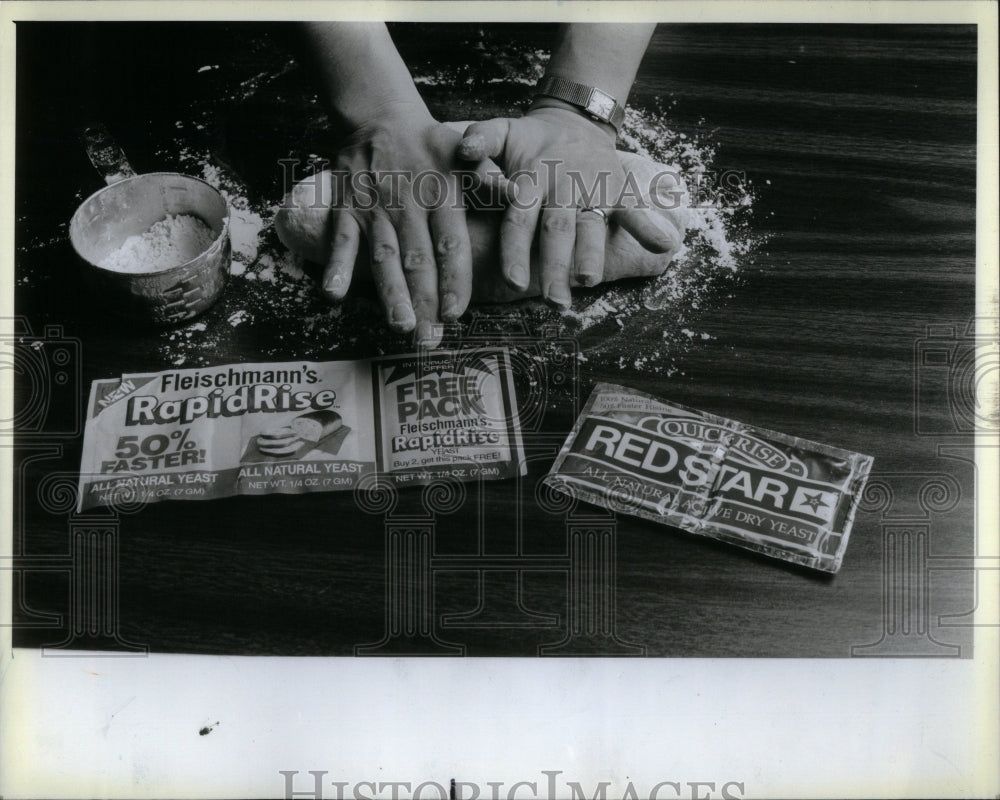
(593, 101)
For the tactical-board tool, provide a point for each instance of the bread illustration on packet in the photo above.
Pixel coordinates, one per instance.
(316, 430)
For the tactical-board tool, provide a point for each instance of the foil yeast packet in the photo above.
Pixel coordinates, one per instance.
(776, 494)
(299, 427)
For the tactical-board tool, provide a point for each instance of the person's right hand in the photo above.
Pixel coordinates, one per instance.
(395, 185)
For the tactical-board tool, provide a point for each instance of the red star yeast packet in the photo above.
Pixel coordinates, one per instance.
(776, 494)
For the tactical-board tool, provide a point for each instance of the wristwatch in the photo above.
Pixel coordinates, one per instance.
(598, 104)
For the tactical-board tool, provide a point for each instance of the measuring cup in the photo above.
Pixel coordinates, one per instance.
(128, 206)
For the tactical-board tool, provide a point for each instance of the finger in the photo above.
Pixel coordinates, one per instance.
(387, 271)
(484, 139)
(420, 272)
(517, 231)
(492, 187)
(343, 253)
(588, 252)
(650, 230)
(453, 252)
(644, 263)
(555, 251)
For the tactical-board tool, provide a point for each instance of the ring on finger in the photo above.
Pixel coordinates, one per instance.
(599, 211)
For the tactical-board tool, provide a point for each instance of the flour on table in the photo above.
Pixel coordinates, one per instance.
(245, 224)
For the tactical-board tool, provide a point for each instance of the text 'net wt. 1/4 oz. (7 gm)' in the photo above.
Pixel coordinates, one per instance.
(300, 427)
(780, 495)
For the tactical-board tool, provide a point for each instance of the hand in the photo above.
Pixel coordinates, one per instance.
(415, 227)
(305, 225)
(561, 164)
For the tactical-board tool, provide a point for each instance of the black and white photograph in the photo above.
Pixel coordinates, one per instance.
(476, 401)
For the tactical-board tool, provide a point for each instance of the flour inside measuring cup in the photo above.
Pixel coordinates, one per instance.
(168, 243)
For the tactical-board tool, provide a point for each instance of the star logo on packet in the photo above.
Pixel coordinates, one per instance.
(815, 503)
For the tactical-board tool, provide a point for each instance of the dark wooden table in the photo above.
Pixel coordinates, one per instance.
(851, 326)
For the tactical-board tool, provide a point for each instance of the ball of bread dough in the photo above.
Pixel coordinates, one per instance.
(305, 225)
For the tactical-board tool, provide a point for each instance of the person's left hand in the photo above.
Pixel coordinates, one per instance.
(564, 166)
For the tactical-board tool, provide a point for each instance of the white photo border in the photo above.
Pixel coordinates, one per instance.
(847, 728)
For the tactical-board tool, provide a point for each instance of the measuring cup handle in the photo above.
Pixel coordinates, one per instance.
(105, 154)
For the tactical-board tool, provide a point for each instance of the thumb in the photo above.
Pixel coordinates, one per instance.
(484, 139)
(493, 183)
(652, 231)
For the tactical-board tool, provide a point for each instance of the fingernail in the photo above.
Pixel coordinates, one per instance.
(665, 241)
(557, 294)
(519, 276)
(334, 285)
(587, 276)
(402, 316)
(449, 307)
(472, 146)
(426, 334)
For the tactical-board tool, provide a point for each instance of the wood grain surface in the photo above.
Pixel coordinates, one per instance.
(861, 144)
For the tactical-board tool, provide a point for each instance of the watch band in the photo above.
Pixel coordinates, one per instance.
(595, 102)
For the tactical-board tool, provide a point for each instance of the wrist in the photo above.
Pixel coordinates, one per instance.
(567, 113)
(361, 74)
(399, 114)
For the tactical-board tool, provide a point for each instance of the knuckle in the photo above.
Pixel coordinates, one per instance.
(557, 223)
(341, 239)
(447, 244)
(518, 218)
(383, 253)
(429, 195)
(416, 260)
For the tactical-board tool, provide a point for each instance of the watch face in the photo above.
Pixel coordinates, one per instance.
(600, 104)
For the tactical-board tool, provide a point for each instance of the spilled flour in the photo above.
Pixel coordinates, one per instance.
(719, 241)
